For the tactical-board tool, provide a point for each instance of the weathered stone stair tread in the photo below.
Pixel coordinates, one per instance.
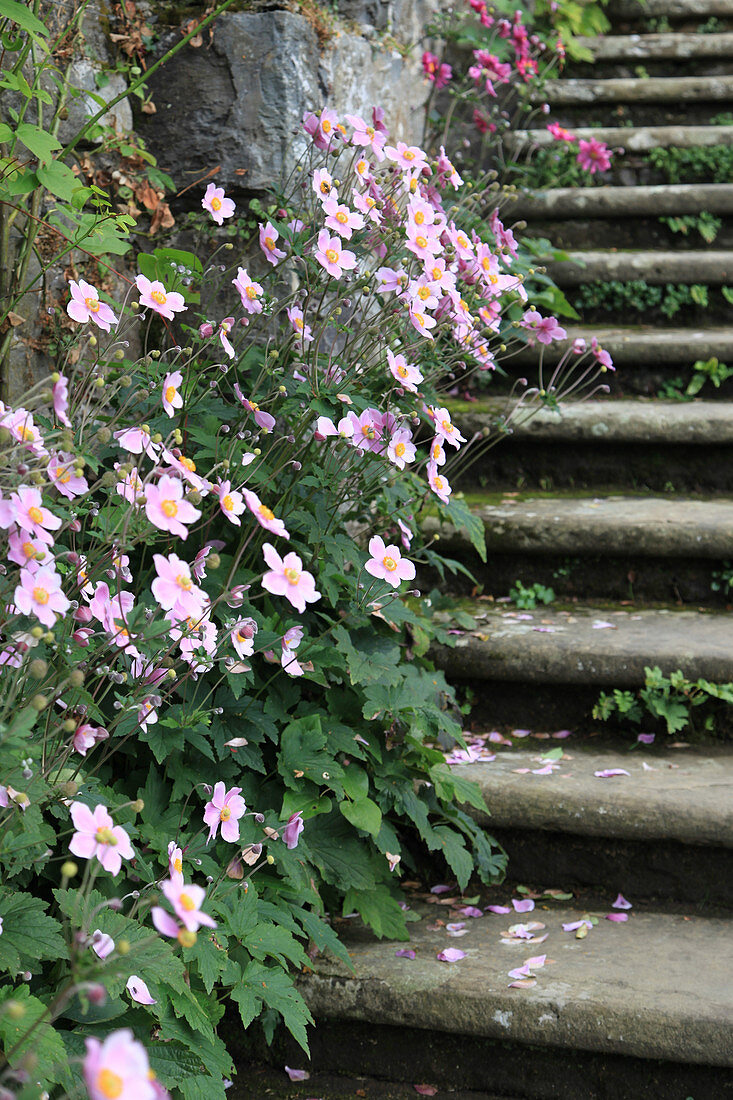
(688, 797)
(561, 647)
(648, 347)
(647, 526)
(634, 139)
(657, 986)
(599, 202)
(680, 9)
(612, 421)
(650, 89)
(621, 47)
(654, 267)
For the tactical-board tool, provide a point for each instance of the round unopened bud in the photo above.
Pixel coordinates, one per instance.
(100, 383)
(109, 479)
(55, 377)
(274, 353)
(228, 246)
(123, 947)
(38, 669)
(119, 353)
(68, 725)
(213, 561)
(171, 674)
(96, 993)
(194, 496)
(76, 678)
(155, 354)
(186, 938)
(69, 869)
(39, 702)
(37, 632)
(271, 860)
(125, 380)
(93, 341)
(282, 389)
(70, 789)
(103, 435)
(138, 805)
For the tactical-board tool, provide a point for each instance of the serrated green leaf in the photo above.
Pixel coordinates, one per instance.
(31, 1032)
(363, 814)
(28, 933)
(274, 941)
(273, 987)
(453, 847)
(379, 910)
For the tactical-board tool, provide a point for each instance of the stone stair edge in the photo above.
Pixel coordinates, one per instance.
(650, 89)
(685, 796)
(628, 420)
(553, 646)
(634, 346)
(666, 45)
(614, 991)
(656, 267)
(681, 9)
(597, 202)
(634, 139)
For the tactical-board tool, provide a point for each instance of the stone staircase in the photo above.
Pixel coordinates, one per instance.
(625, 506)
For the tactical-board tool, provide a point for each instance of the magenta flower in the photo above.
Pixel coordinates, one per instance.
(243, 637)
(39, 594)
(445, 428)
(594, 156)
(438, 483)
(231, 502)
(546, 329)
(97, 835)
(341, 219)
(409, 157)
(225, 809)
(436, 72)
(264, 516)
(118, 1068)
(387, 563)
(268, 243)
(559, 133)
(86, 306)
(332, 257)
(172, 399)
(135, 440)
(186, 900)
(300, 328)
(292, 830)
(175, 861)
(286, 577)
(367, 136)
(217, 204)
(406, 374)
(166, 508)
(249, 291)
(224, 329)
(153, 295)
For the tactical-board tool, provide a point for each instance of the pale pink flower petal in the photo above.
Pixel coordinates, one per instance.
(621, 903)
(450, 955)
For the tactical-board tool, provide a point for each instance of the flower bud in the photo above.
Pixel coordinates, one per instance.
(76, 678)
(69, 869)
(138, 805)
(119, 353)
(39, 702)
(186, 938)
(213, 561)
(103, 435)
(96, 993)
(38, 668)
(37, 632)
(271, 860)
(123, 947)
(70, 789)
(92, 341)
(68, 725)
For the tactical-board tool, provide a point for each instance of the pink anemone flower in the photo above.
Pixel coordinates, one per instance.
(264, 516)
(286, 577)
(172, 398)
(39, 594)
(153, 295)
(86, 306)
(217, 204)
(225, 809)
(387, 564)
(97, 835)
(118, 1067)
(166, 507)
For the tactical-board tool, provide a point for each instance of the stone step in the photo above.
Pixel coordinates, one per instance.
(631, 347)
(628, 47)
(635, 90)
(714, 267)
(655, 988)
(652, 527)
(680, 9)
(702, 423)
(622, 202)
(558, 647)
(634, 139)
(633, 232)
(668, 823)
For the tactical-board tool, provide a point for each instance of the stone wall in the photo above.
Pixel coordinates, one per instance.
(238, 100)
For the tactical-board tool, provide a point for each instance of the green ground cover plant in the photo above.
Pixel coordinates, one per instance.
(674, 701)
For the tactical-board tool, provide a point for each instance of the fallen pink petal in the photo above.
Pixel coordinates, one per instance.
(571, 926)
(502, 910)
(297, 1074)
(440, 889)
(405, 953)
(425, 1090)
(523, 983)
(470, 911)
(646, 738)
(450, 955)
(523, 905)
(621, 903)
(617, 918)
(609, 773)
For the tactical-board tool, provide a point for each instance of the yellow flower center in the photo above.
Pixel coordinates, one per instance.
(227, 503)
(110, 1084)
(188, 463)
(186, 938)
(369, 131)
(269, 244)
(437, 451)
(438, 484)
(341, 217)
(486, 263)
(92, 304)
(447, 426)
(187, 902)
(423, 293)
(29, 550)
(158, 296)
(299, 323)
(408, 155)
(225, 814)
(389, 564)
(216, 204)
(420, 319)
(251, 293)
(368, 431)
(106, 836)
(40, 595)
(184, 582)
(169, 508)
(325, 187)
(332, 255)
(421, 242)
(419, 217)
(326, 126)
(64, 476)
(402, 371)
(25, 435)
(399, 450)
(436, 273)
(170, 393)
(265, 512)
(35, 514)
(178, 865)
(292, 576)
(462, 241)
(493, 279)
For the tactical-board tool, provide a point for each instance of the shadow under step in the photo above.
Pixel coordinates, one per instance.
(634, 139)
(655, 268)
(635, 90)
